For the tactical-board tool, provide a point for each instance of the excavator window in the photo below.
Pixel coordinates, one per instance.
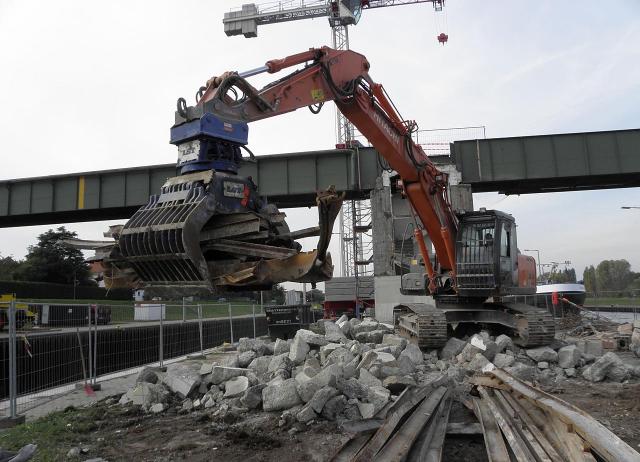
(505, 241)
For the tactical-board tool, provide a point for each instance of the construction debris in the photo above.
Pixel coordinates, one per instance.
(393, 398)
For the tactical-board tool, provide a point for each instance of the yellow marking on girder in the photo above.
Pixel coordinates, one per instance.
(80, 192)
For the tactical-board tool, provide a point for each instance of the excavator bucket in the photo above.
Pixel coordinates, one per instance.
(210, 229)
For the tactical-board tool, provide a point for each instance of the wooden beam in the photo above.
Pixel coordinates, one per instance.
(604, 442)
(516, 443)
(493, 440)
(398, 446)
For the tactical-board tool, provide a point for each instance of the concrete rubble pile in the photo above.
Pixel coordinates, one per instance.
(350, 372)
(353, 371)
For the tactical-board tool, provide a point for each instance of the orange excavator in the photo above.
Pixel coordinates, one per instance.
(475, 269)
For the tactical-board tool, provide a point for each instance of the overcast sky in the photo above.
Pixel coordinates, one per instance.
(87, 85)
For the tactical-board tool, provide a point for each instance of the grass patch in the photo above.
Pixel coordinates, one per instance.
(54, 434)
(608, 301)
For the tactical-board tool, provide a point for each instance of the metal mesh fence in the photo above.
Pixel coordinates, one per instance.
(60, 345)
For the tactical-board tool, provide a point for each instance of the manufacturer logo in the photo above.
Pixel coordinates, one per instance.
(227, 127)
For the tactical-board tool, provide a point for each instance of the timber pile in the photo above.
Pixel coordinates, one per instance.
(518, 422)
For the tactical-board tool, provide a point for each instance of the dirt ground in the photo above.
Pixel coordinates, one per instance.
(118, 433)
(615, 405)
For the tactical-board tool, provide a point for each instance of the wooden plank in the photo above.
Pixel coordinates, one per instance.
(464, 428)
(541, 420)
(604, 442)
(493, 440)
(398, 446)
(532, 427)
(575, 449)
(352, 447)
(437, 442)
(384, 432)
(248, 248)
(420, 449)
(522, 428)
(516, 443)
(486, 381)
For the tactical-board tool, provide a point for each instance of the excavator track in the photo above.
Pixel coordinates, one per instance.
(534, 326)
(427, 325)
(424, 324)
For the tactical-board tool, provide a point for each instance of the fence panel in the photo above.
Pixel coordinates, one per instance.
(65, 344)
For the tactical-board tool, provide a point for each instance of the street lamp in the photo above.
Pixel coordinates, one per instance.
(539, 262)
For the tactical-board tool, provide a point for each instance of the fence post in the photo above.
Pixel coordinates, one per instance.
(90, 356)
(13, 365)
(95, 346)
(253, 310)
(230, 322)
(200, 327)
(184, 312)
(160, 338)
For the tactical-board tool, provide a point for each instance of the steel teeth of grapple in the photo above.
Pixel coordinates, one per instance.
(161, 240)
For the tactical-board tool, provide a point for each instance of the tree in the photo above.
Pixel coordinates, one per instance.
(8, 267)
(50, 261)
(315, 296)
(589, 277)
(612, 275)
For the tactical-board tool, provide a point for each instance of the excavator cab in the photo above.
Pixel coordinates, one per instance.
(487, 256)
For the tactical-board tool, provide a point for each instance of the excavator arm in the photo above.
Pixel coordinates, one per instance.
(343, 77)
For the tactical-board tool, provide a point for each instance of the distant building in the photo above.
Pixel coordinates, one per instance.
(293, 297)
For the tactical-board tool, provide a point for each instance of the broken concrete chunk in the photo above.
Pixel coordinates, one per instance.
(350, 369)
(503, 360)
(339, 356)
(367, 410)
(334, 407)
(252, 396)
(478, 362)
(385, 359)
(405, 365)
(543, 365)
(261, 365)
(280, 347)
(280, 362)
(609, 366)
(298, 350)
(147, 374)
(570, 372)
(320, 397)
(393, 339)
(378, 396)
(311, 337)
(245, 344)
(374, 336)
(221, 374)
(157, 408)
(468, 353)
(368, 358)
(368, 380)
(281, 396)
(569, 356)
(182, 378)
(244, 359)
(351, 388)
(489, 348)
(145, 394)
(522, 371)
(327, 349)
(333, 333)
(542, 354)
(504, 342)
(412, 351)
(367, 325)
(326, 377)
(235, 386)
(452, 348)
(306, 414)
